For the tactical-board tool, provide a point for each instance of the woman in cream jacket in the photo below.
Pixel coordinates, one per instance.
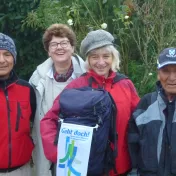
(49, 79)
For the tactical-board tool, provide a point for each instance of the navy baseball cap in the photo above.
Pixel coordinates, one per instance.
(167, 57)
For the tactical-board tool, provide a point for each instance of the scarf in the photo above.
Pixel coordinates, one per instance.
(63, 77)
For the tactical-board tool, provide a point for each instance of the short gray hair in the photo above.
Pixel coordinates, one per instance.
(115, 55)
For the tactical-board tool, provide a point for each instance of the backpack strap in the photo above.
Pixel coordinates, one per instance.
(114, 134)
(76, 57)
(58, 131)
(91, 80)
(119, 77)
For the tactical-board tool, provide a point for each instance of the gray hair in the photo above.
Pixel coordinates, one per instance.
(115, 55)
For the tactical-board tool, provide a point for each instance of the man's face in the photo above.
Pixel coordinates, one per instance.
(6, 64)
(167, 77)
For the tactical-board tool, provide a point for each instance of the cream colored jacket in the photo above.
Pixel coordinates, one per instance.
(40, 81)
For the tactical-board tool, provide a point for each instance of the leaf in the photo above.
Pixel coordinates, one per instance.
(105, 1)
(18, 17)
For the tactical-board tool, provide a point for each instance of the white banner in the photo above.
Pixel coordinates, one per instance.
(73, 150)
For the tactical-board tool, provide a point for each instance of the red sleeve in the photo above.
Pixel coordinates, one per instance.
(48, 130)
(134, 96)
(49, 124)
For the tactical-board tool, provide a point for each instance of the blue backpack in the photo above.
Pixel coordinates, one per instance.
(88, 106)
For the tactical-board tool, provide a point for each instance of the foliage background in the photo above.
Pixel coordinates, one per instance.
(30, 51)
(142, 28)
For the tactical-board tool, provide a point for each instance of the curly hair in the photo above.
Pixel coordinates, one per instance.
(58, 30)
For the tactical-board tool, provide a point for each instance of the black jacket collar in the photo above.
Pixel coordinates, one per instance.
(12, 78)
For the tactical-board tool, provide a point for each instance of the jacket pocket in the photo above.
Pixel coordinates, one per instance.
(148, 141)
(19, 115)
(23, 117)
(173, 149)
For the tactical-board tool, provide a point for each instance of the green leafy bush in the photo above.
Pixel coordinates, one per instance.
(141, 30)
(30, 51)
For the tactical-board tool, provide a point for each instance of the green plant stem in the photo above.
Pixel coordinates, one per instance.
(90, 13)
(100, 6)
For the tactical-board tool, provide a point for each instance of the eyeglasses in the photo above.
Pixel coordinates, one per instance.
(63, 44)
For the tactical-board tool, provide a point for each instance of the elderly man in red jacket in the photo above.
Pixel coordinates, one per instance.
(17, 109)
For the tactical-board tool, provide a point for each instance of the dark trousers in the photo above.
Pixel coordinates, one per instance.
(53, 171)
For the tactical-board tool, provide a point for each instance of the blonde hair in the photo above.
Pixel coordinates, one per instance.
(115, 56)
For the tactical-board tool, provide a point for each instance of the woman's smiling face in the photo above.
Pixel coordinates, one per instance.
(60, 49)
(100, 61)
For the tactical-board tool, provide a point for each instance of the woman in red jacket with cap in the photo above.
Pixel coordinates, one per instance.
(102, 62)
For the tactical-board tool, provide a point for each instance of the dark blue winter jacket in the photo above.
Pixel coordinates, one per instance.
(152, 135)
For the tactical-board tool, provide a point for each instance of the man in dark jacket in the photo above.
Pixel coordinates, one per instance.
(152, 128)
(17, 109)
